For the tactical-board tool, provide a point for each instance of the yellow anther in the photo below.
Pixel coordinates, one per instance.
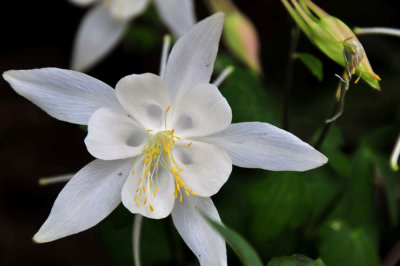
(354, 70)
(145, 200)
(154, 193)
(181, 198)
(151, 208)
(338, 93)
(178, 187)
(187, 192)
(168, 109)
(133, 172)
(175, 193)
(376, 77)
(193, 193)
(355, 82)
(134, 199)
(189, 144)
(149, 130)
(157, 188)
(138, 202)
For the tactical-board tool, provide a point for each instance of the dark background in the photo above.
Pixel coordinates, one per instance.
(33, 145)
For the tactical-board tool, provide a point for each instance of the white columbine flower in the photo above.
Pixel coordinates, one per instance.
(103, 26)
(163, 145)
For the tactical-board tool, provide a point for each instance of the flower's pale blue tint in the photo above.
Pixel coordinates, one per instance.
(163, 145)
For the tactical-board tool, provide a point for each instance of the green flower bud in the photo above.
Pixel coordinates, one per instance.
(334, 38)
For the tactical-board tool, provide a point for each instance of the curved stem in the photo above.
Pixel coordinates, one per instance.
(137, 227)
(395, 155)
(336, 111)
(164, 54)
(377, 30)
(227, 71)
(55, 179)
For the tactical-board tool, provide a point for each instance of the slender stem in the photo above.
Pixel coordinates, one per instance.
(393, 257)
(378, 30)
(336, 111)
(164, 54)
(295, 34)
(227, 71)
(137, 228)
(395, 155)
(55, 179)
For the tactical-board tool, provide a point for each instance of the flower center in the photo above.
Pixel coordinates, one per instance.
(156, 153)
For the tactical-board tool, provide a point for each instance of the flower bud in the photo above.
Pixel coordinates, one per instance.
(334, 38)
(239, 35)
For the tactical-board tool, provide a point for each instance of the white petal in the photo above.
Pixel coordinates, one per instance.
(90, 196)
(126, 9)
(145, 97)
(208, 246)
(64, 94)
(205, 167)
(163, 201)
(191, 61)
(97, 35)
(114, 135)
(177, 14)
(83, 2)
(261, 145)
(200, 112)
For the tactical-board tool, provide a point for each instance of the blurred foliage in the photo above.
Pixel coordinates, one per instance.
(312, 63)
(344, 213)
(295, 260)
(243, 250)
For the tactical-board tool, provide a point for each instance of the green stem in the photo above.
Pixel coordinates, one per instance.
(336, 111)
(295, 34)
(137, 228)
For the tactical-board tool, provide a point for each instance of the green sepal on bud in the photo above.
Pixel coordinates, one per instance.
(239, 34)
(332, 37)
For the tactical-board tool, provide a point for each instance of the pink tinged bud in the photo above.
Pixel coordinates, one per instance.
(239, 35)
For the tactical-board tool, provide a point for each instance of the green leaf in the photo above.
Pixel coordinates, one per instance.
(281, 201)
(338, 160)
(345, 246)
(83, 127)
(312, 63)
(390, 181)
(360, 188)
(245, 94)
(295, 260)
(245, 252)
